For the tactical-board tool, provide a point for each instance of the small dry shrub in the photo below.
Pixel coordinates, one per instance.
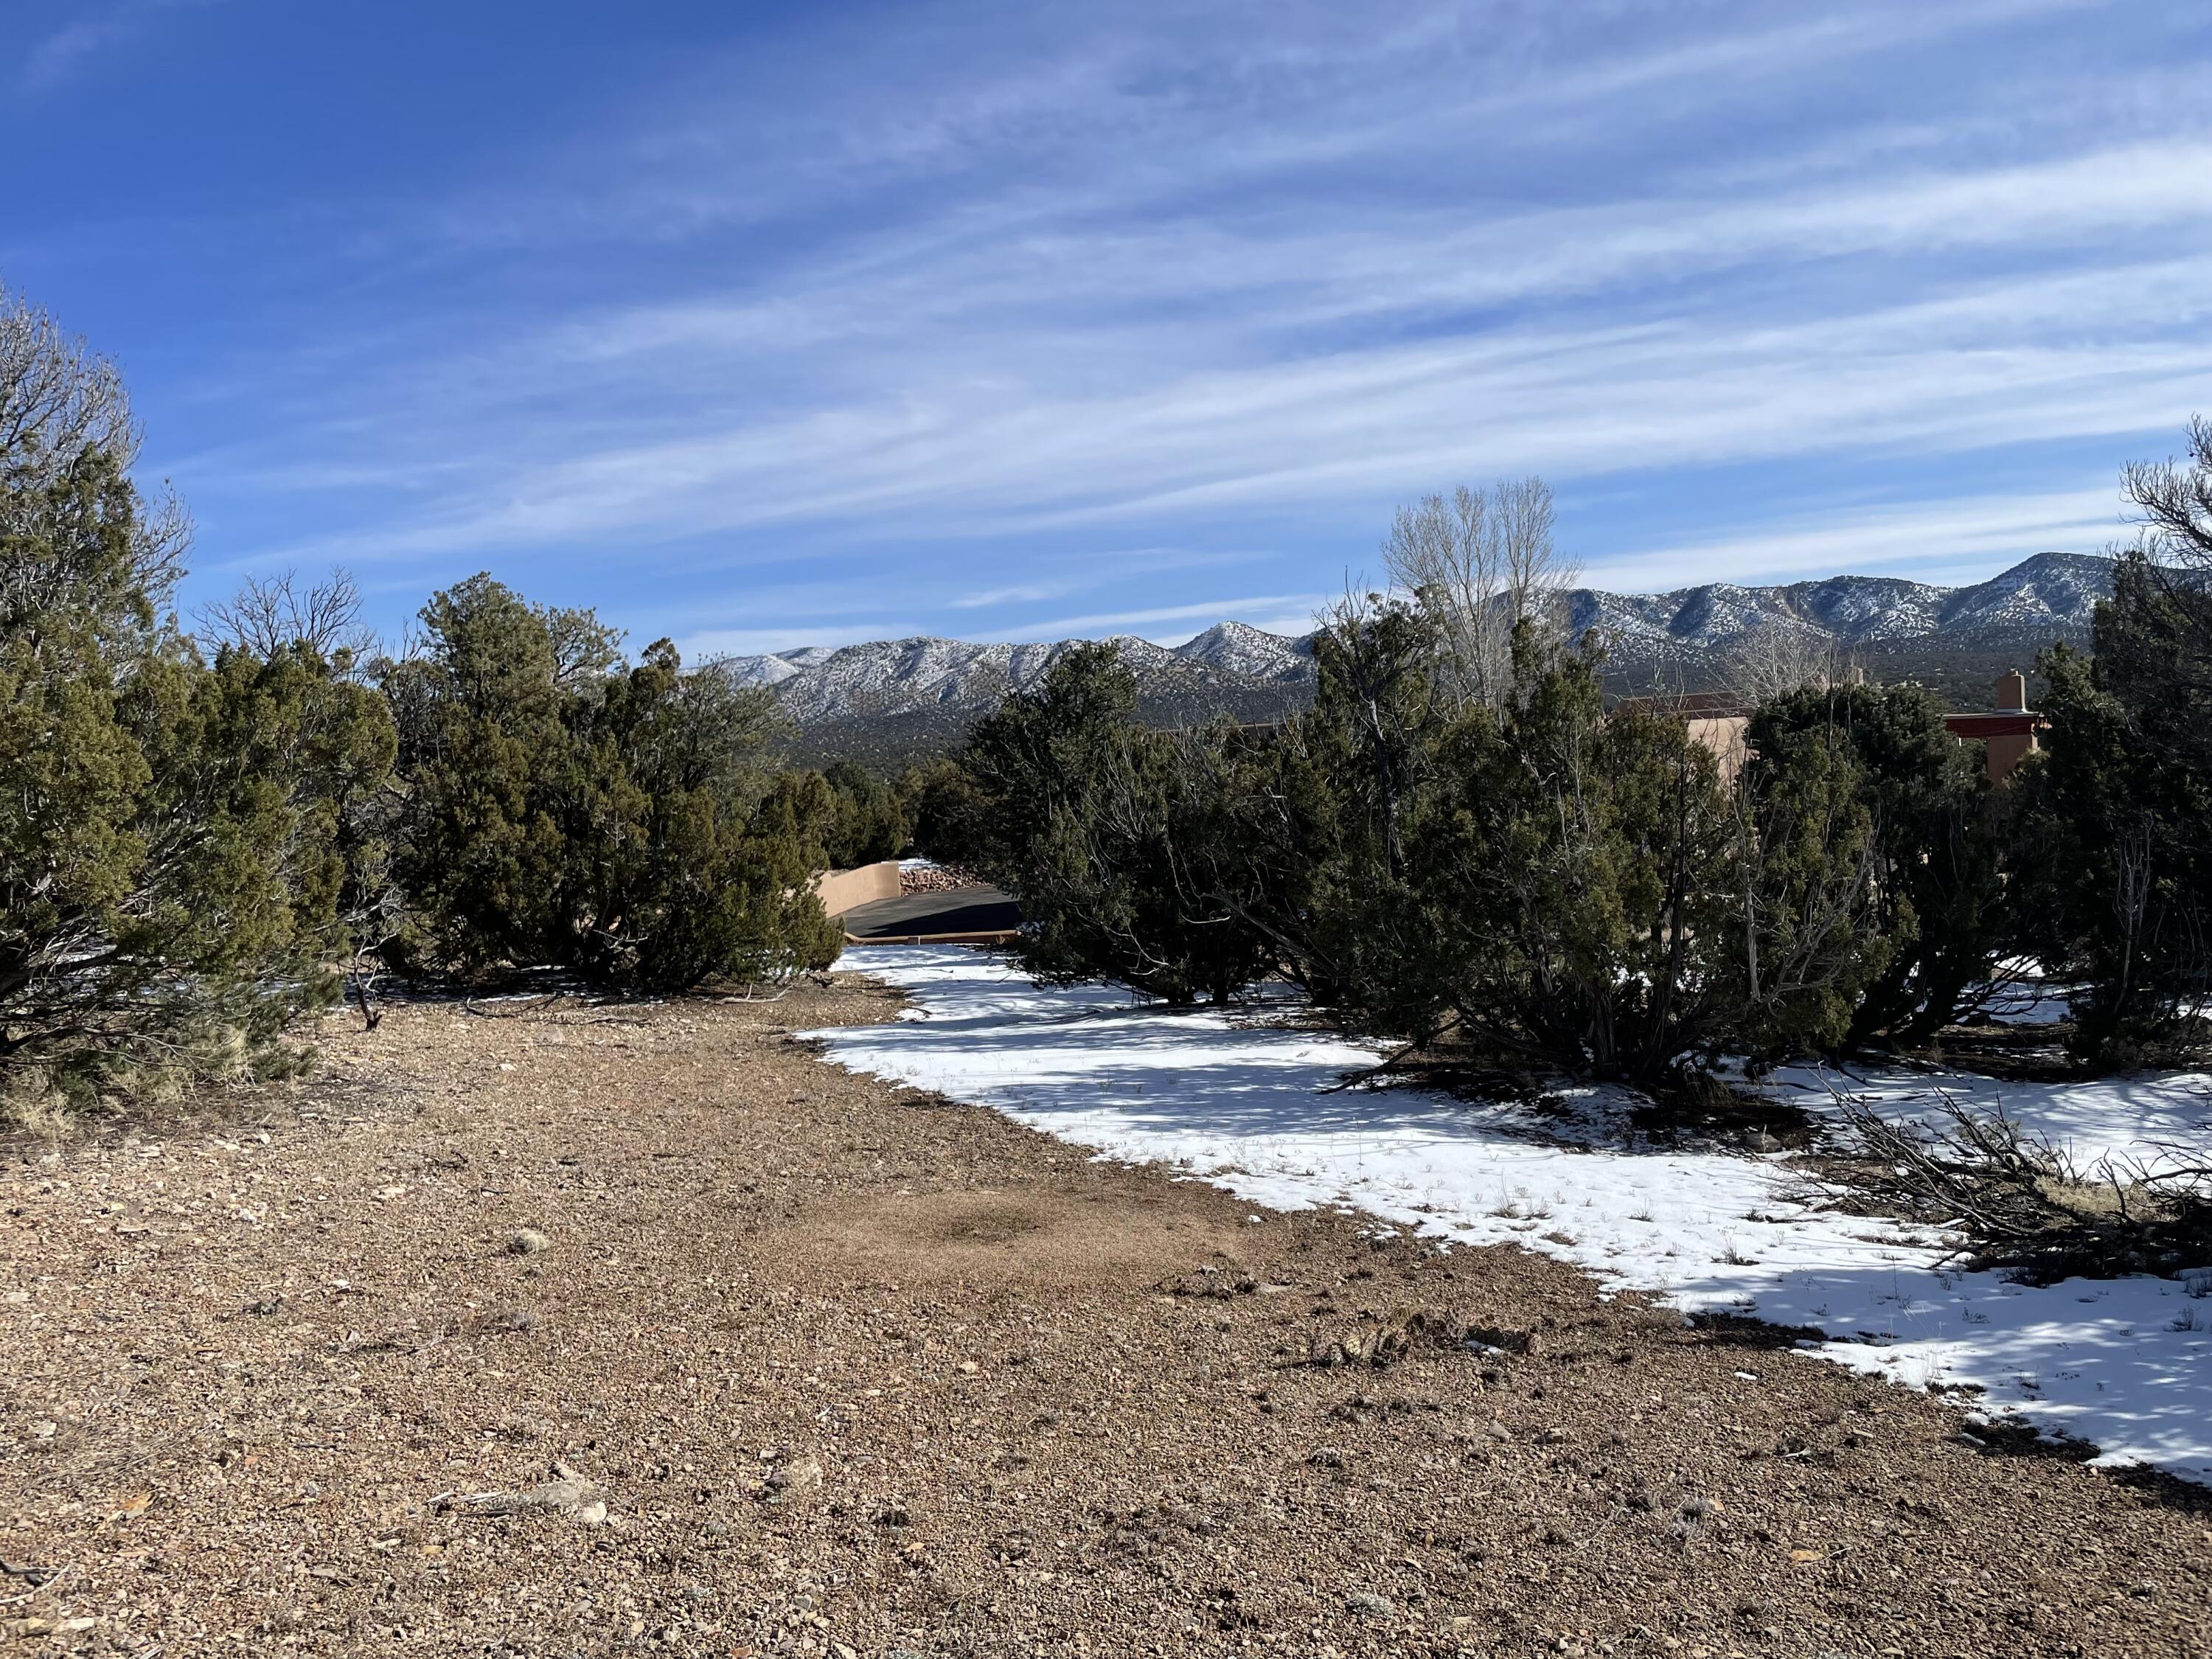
(2012, 1201)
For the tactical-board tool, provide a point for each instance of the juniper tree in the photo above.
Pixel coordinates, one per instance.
(870, 820)
(1938, 902)
(621, 821)
(1081, 813)
(2111, 850)
(169, 872)
(1321, 817)
(491, 766)
(1584, 890)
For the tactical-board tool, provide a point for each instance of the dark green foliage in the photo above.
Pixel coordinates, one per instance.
(1546, 881)
(493, 771)
(1343, 802)
(1570, 864)
(1938, 906)
(1598, 898)
(170, 872)
(938, 799)
(2112, 834)
(870, 820)
(619, 822)
(1078, 811)
(1809, 943)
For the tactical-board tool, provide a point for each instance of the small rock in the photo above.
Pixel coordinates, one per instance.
(795, 1479)
(528, 1241)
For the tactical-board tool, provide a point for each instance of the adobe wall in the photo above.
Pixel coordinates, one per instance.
(840, 890)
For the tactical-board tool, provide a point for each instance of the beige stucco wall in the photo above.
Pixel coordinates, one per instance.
(1723, 735)
(840, 890)
(2006, 750)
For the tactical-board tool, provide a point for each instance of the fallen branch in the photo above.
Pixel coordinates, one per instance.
(1354, 1079)
(2014, 1200)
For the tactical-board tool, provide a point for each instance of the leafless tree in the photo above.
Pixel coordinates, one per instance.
(270, 613)
(1778, 657)
(57, 398)
(1478, 564)
(60, 401)
(2174, 499)
(58, 404)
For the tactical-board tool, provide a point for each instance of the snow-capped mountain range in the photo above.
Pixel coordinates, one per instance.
(894, 676)
(2053, 593)
(2050, 596)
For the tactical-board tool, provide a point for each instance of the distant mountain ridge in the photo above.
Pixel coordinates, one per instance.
(1687, 635)
(899, 677)
(2052, 594)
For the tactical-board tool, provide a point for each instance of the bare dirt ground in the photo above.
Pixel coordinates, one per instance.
(615, 1330)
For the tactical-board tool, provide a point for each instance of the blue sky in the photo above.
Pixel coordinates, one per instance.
(765, 325)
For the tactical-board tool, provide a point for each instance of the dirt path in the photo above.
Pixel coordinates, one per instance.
(830, 1368)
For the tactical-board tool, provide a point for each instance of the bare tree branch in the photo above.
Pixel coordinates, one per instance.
(269, 614)
(58, 401)
(1477, 564)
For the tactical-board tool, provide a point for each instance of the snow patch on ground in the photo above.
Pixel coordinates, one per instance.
(1244, 1103)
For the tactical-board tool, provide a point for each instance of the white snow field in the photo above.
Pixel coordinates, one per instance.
(2125, 1363)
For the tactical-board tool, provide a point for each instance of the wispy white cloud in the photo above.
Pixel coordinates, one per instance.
(1009, 283)
(1569, 400)
(61, 55)
(1028, 594)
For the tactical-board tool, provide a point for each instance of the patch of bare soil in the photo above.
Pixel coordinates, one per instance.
(1053, 1233)
(613, 1331)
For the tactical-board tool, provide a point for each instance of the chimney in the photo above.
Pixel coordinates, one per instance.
(2012, 692)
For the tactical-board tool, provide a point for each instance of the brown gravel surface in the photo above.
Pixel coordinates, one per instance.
(613, 1330)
